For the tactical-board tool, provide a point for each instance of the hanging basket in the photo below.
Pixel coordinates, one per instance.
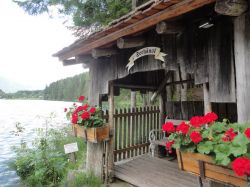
(204, 166)
(94, 135)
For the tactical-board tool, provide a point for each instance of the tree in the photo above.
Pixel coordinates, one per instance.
(88, 14)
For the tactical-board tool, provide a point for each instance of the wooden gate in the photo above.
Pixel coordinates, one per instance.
(131, 130)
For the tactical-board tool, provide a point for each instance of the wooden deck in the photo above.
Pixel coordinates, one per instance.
(146, 171)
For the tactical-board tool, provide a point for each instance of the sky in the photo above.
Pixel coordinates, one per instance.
(27, 44)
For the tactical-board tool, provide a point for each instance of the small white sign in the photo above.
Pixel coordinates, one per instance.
(70, 148)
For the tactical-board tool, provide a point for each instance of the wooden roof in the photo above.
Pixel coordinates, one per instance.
(140, 19)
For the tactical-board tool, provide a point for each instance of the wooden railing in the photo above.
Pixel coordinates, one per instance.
(131, 130)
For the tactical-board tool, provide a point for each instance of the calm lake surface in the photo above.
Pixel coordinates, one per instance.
(31, 114)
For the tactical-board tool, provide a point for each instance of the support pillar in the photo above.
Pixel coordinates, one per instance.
(111, 125)
(207, 103)
(162, 100)
(242, 65)
(133, 99)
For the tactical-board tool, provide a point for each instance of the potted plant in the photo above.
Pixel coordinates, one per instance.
(87, 121)
(211, 149)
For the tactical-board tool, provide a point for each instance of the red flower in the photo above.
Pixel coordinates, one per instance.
(81, 98)
(197, 121)
(229, 135)
(65, 109)
(239, 165)
(92, 110)
(195, 137)
(80, 108)
(183, 128)
(247, 133)
(74, 118)
(85, 115)
(210, 117)
(169, 146)
(168, 127)
(85, 107)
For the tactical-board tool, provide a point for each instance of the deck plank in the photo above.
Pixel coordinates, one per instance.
(146, 171)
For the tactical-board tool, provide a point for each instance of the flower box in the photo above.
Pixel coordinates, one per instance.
(203, 165)
(94, 135)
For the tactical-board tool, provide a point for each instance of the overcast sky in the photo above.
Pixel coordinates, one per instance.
(27, 44)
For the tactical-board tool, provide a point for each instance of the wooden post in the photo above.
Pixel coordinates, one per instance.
(111, 125)
(134, 3)
(207, 103)
(133, 99)
(162, 107)
(242, 65)
(94, 160)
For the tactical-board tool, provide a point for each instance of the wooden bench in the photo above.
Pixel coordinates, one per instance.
(158, 138)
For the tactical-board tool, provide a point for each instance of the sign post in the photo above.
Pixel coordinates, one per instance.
(71, 149)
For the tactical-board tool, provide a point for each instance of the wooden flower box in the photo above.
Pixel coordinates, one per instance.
(93, 135)
(204, 166)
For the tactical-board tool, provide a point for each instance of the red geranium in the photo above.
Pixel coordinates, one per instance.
(229, 135)
(79, 108)
(168, 127)
(85, 107)
(183, 128)
(65, 109)
(197, 121)
(195, 137)
(247, 133)
(92, 110)
(81, 98)
(85, 115)
(74, 118)
(210, 117)
(239, 165)
(169, 146)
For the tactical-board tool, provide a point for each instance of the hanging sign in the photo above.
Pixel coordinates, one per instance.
(156, 51)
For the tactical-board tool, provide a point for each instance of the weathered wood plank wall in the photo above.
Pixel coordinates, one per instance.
(206, 53)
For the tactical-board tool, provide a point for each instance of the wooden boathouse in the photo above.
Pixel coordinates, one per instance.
(164, 46)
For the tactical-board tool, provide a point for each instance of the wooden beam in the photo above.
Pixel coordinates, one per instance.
(161, 87)
(83, 59)
(139, 87)
(231, 8)
(123, 43)
(96, 53)
(168, 13)
(169, 28)
(179, 82)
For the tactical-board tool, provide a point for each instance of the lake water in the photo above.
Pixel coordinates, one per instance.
(31, 114)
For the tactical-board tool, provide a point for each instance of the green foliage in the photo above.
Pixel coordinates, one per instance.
(24, 94)
(67, 89)
(45, 164)
(205, 147)
(88, 13)
(85, 180)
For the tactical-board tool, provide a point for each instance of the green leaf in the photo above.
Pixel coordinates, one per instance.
(205, 147)
(238, 150)
(222, 159)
